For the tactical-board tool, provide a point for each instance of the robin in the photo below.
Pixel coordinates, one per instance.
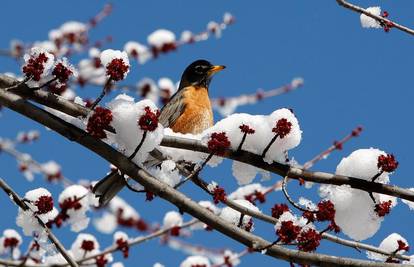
(188, 111)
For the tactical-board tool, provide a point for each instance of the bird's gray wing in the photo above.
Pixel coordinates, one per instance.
(173, 109)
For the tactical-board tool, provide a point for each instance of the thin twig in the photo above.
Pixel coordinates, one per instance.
(378, 18)
(194, 172)
(289, 198)
(269, 145)
(101, 96)
(139, 146)
(337, 145)
(44, 85)
(19, 156)
(16, 199)
(19, 84)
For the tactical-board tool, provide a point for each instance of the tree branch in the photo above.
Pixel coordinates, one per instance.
(185, 204)
(18, 200)
(292, 172)
(361, 10)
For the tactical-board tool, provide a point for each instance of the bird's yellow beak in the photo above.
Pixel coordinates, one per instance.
(215, 69)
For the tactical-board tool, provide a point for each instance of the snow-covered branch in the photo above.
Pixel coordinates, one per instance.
(382, 21)
(18, 104)
(21, 203)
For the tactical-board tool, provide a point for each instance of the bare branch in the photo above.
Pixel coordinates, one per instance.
(18, 200)
(292, 172)
(378, 18)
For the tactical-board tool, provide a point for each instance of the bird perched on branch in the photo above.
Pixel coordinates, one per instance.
(188, 111)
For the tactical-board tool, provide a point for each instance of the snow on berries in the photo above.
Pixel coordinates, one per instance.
(41, 204)
(86, 245)
(167, 173)
(387, 163)
(192, 261)
(90, 70)
(149, 120)
(288, 231)
(279, 209)
(233, 216)
(38, 63)
(146, 88)
(218, 143)
(72, 32)
(260, 131)
(121, 241)
(161, 41)
(172, 219)
(309, 240)
(52, 170)
(74, 203)
(10, 241)
(368, 22)
(63, 70)
(116, 64)
(119, 213)
(167, 89)
(130, 121)
(394, 243)
(248, 192)
(354, 207)
(100, 120)
(137, 51)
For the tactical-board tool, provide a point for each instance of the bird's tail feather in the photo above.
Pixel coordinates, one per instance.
(108, 187)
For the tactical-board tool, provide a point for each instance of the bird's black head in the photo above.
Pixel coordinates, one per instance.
(200, 73)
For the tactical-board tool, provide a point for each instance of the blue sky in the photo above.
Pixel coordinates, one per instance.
(353, 76)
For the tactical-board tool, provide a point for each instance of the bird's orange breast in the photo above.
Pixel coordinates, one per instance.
(197, 115)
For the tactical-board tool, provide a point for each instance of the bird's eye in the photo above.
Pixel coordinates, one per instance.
(199, 69)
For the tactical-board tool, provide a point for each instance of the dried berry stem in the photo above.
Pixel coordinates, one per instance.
(44, 85)
(139, 146)
(269, 145)
(242, 142)
(18, 84)
(195, 172)
(373, 179)
(101, 96)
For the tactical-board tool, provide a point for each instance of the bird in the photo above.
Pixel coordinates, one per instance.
(188, 111)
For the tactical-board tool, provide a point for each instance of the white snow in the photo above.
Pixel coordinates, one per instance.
(232, 216)
(195, 260)
(172, 219)
(246, 190)
(161, 37)
(126, 114)
(390, 245)
(78, 252)
(186, 36)
(108, 55)
(51, 168)
(78, 219)
(168, 173)
(355, 207)
(119, 235)
(153, 92)
(106, 224)
(33, 54)
(368, 22)
(137, 50)
(10, 234)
